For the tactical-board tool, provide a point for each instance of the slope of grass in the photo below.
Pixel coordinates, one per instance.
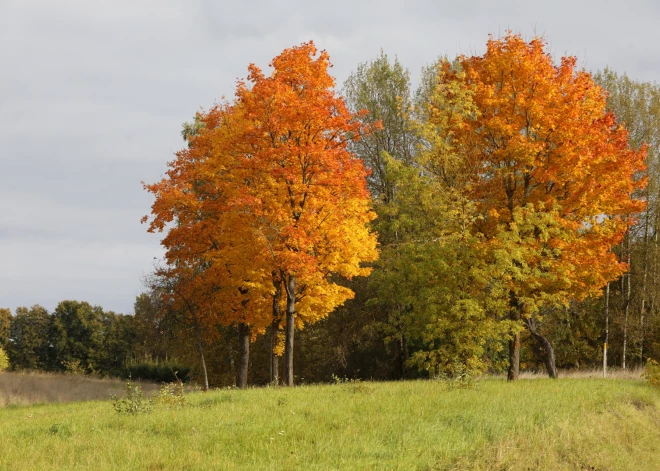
(534, 424)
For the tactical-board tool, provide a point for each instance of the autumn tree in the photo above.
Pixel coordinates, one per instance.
(637, 105)
(306, 192)
(267, 195)
(550, 171)
(431, 278)
(214, 273)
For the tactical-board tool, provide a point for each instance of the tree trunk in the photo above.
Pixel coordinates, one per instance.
(514, 358)
(244, 342)
(607, 329)
(198, 341)
(626, 311)
(290, 327)
(275, 329)
(404, 355)
(274, 358)
(514, 342)
(641, 340)
(545, 344)
(642, 310)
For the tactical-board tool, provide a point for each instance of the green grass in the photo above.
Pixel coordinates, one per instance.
(586, 424)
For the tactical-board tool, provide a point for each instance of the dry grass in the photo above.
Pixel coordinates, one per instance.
(35, 388)
(612, 373)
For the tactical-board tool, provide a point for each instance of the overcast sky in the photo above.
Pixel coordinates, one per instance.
(93, 94)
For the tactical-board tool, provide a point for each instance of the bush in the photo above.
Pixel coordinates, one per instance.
(4, 360)
(133, 402)
(73, 367)
(652, 373)
(169, 372)
(170, 395)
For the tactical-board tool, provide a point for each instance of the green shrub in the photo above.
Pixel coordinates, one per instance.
(4, 360)
(168, 372)
(652, 373)
(74, 367)
(133, 402)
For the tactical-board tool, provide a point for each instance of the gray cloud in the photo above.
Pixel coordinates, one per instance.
(93, 94)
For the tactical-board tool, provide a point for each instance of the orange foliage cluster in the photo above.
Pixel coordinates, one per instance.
(546, 161)
(267, 191)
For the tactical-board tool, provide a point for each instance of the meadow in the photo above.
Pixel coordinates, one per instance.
(534, 424)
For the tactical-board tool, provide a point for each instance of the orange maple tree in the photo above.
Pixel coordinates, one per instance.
(268, 200)
(549, 169)
(213, 259)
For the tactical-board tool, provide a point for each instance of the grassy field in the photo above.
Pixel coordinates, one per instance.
(581, 424)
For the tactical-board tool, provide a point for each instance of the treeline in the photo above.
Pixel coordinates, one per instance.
(502, 216)
(82, 339)
(75, 335)
(516, 220)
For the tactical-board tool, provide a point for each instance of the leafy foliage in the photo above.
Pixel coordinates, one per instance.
(267, 194)
(5, 321)
(549, 171)
(133, 402)
(73, 367)
(170, 395)
(533, 160)
(4, 360)
(77, 338)
(30, 334)
(652, 373)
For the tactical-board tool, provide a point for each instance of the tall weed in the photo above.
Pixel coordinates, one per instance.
(652, 373)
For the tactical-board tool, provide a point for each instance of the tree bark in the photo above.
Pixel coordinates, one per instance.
(607, 329)
(514, 342)
(404, 356)
(290, 328)
(642, 310)
(198, 341)
(545, 344)
(274, 358)
(275, 329)
(514, 358)
(244, 342)
(626, 309)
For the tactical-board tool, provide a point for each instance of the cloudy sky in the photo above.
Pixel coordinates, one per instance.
(93, 94)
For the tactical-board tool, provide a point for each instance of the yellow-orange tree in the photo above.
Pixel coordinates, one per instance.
(550, 171)
(304, 190)
(215, 268)
(267, 197)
